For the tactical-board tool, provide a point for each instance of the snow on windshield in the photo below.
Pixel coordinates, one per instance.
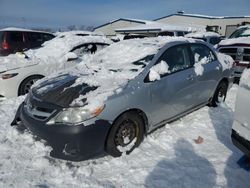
(111, 68)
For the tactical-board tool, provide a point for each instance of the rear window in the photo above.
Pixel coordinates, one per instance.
(1, 37)
(15, 36)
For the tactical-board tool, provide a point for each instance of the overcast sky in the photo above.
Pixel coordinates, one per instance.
(62, 13)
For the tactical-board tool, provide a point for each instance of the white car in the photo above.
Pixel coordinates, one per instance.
(18, 72)
(241, 126)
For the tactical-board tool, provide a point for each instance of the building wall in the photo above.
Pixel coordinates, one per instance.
(221, 22)
(109, 29)
(178, 20)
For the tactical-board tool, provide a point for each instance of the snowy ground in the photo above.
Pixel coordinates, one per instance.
(168, 157)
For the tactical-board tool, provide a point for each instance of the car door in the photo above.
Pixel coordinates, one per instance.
(174, 93)
(207, 70)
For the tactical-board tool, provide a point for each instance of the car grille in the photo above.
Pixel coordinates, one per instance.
(38, 112)
(237, 53)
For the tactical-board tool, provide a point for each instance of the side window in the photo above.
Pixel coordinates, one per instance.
(202, 54)
(47, 37)
(177, 58)
(16, 37)
(85, 49)
(166, 33)
(35, 37)
(180, 33)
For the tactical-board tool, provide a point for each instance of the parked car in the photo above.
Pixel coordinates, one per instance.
(238, 47)
(210, 37)
(18, 72)
(122, 93)
(241, 126)
(14, 40)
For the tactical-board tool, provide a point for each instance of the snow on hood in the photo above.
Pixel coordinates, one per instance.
(112, 68)
(240, 40)
(51, 51)
(245, 78)
(202, 34)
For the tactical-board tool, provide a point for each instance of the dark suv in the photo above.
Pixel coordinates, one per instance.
(14, 40)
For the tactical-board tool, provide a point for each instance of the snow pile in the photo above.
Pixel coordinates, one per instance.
(233, 41)
(168, 157)
(226, 61)
(245, 78)
(157, 70)
(112, 68)
(202, 34)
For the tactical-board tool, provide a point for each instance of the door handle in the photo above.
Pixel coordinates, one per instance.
(190, 77)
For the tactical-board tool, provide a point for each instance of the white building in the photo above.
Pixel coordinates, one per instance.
(224, 25)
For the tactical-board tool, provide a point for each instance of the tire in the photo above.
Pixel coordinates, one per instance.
(125, 135)
(219, 94)
(27, 83)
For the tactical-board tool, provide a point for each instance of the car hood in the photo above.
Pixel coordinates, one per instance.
(61, 90)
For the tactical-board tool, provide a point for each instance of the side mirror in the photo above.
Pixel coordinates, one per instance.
(71, 56)
(157, 71)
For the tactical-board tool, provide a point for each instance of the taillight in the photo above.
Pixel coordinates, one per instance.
(5, 45)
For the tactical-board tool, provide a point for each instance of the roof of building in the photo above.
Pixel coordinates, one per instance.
(124, 19)
(203, 16)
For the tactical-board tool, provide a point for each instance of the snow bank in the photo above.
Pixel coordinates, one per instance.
(112, 68)
(245, 78)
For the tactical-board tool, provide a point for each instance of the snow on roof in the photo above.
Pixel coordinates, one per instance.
(51, 51)
(157, 26)
(63, 43)
(124, 19)
(203, 16)
(240, 40)
(202, 34)
(112, 68)
(21, 29)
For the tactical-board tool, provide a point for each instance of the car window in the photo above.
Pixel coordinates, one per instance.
(15, 36)
(166, 33)
(101, 46)
(35, 37)
(177, 58)
(202, 53)
(1, 37)
(215, 40)
(180, 33)
(81, 50)
(47, 37)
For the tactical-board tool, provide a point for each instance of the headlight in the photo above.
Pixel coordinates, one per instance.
(76, 115)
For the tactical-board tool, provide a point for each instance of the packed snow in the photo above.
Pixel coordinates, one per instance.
(168, 157)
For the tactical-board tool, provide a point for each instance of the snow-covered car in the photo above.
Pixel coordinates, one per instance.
(18, 72)
(238, 47)
(241, 126)
(123, 92)
(210, 37)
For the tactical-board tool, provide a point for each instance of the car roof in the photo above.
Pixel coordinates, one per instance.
(23, 30)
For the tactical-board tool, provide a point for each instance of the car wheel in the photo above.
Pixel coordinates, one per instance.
(125, 135)
(27, 83)
(219, 95)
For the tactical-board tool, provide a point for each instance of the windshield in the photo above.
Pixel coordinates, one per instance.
(243, 32)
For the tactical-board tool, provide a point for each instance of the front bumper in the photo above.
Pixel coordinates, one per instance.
(241, 143)
(73, 143)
